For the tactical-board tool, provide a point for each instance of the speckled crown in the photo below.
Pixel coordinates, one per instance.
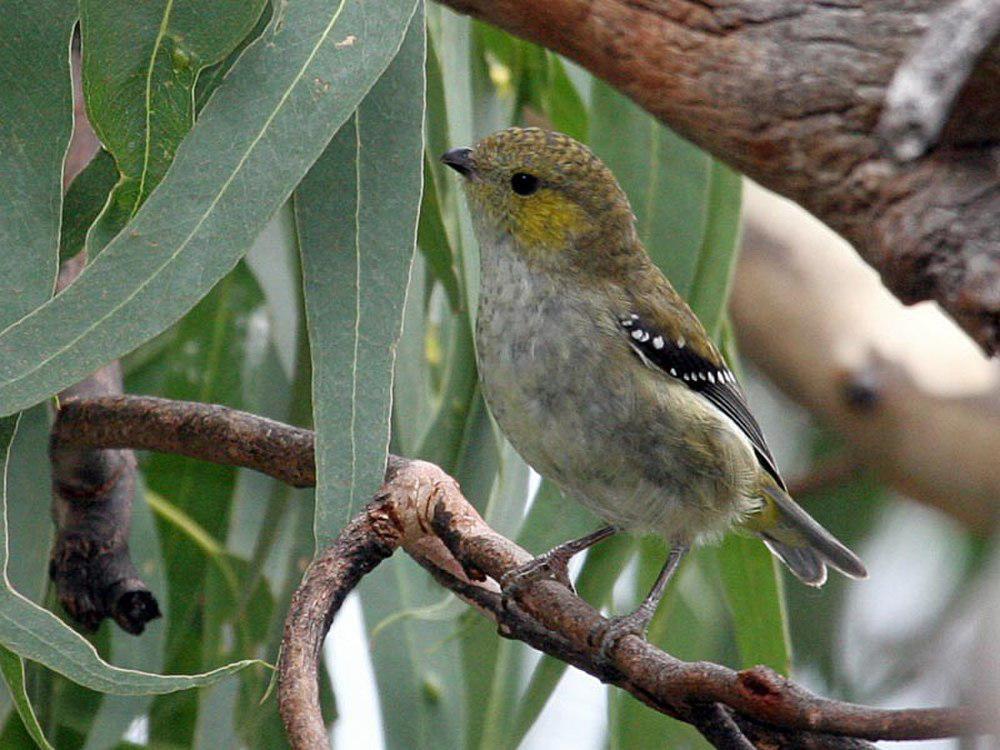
(551, 156)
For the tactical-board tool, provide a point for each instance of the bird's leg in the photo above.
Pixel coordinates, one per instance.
(637, 622)
(552, 564)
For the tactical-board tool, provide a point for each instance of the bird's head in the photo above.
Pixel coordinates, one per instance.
(546, 191)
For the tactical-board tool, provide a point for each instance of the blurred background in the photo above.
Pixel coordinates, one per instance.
(884, 419)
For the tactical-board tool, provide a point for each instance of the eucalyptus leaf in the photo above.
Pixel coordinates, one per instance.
(36, 118)
(356, 213)
(35, 633)
(666, 179)
(12, 669)
(282, 101)
(202, 363)
(139, 79)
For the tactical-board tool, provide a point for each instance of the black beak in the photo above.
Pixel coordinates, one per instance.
(459, 159)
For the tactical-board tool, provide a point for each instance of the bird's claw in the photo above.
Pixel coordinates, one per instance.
(606, 636)
(545, 567)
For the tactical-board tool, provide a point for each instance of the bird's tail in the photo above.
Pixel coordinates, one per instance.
(800, 542)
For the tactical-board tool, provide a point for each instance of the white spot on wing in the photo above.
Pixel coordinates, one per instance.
(658, 342)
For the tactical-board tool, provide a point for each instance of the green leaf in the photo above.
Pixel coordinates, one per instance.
(30, 528)
(755, 593)
(713, 275)
(666, 179)
(12, 668)
(691, 624)
(204, 362)
(412, 400)
(597, 578)
(283, 99)
(139, 79)
(356, 213)
(84, 201)
(432, 238)
(36, 117)
(753, 586)
(451, 122)
(416, 653)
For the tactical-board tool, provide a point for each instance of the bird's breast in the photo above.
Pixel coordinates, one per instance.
(574, 401)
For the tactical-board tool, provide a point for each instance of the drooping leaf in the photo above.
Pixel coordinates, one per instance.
(204, 362)
(139, 79)
(27, 497)
(287, 94)
(686, 625)
(356, 213)
(85, 199)
(12, 669)
(666, 179)
(753, 586)
(451, 123)
(432, 238)
(36, 117)
(713, 274)
(755, 593)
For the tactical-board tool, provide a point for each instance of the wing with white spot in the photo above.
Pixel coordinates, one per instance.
(716, 383)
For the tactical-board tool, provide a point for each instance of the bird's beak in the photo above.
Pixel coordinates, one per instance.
(459, 159)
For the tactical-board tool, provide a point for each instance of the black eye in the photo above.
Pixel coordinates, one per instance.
(523, 183)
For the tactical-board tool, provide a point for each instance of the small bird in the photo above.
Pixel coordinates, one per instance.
(603, 379)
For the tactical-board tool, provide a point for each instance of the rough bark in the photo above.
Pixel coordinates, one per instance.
(790, 92)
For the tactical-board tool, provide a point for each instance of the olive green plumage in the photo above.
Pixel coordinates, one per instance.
(600, 374)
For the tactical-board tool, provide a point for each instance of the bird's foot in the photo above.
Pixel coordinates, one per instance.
(550, 566)
(606, 636)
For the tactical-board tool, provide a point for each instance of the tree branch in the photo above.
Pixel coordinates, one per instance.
(422, 510)
(920, 97)
(790, 92)
(884, 376)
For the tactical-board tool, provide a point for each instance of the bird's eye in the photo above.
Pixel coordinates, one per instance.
(523, 183)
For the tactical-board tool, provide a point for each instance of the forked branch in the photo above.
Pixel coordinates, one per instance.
(422, 510)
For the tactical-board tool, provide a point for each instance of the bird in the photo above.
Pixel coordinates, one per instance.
(604, 380)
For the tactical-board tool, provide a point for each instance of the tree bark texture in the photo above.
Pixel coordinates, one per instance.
(790, 92)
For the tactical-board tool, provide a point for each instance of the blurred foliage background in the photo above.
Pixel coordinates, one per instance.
(249, 224)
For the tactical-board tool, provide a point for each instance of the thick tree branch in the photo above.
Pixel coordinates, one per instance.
(790, 92)
(422, 510)
(913, 399)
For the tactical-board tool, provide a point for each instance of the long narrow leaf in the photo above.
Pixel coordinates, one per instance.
(36, 116)
(37, 634)
(139, 79)
(357, 212)
(257, 136)
(12, 669)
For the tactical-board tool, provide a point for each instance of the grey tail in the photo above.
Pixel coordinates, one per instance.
(805, 546)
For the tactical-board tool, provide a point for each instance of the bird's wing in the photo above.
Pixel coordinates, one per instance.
(675, 357)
